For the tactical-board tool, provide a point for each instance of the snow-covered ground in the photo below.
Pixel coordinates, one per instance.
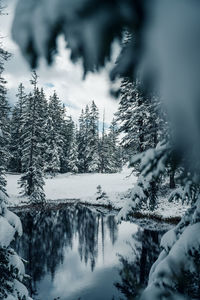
(76, 186)
(83, 188)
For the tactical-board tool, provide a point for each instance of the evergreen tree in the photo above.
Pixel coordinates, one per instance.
(93, 139)
(140, 118)
(11, 267)
(81, 143)
(16, 130)
(115, 153)
(103, 148)
(132, 115)
(43, 111)
(141, 121)
(55, 135)
(32, 181)
(86, 147)
(88, 139)
(73, 152)
(52, 163)
(4, 115)
(4, 125)
(68, 136)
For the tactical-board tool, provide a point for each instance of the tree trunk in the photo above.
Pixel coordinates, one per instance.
(172, 184)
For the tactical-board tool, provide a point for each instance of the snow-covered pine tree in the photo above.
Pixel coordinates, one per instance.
(81, 143)
(88, 139)
(52, 161)
(12, 270)
(115, 151)
(105, 155)
(103, 148)
(66, 129)
(43, 111)
(15, 163)
(11, 266)
(32, 182)
(110, 153)
(135, 118)
(67, 133)
(55, 135)
(139, 115)
(4, 115)
(142, 123)
(86, 148)
(72, 162)
(4, 120)
(93, 139)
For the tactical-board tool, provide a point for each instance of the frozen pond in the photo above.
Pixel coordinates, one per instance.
(79, 253)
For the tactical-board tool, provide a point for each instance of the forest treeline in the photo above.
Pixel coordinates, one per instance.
(42, 133)
(39, 138)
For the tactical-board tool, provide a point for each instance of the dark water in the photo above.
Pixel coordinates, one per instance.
(78, 253)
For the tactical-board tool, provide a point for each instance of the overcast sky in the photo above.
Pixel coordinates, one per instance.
(63, 76)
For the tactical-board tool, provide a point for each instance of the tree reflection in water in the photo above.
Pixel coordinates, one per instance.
(47, 234)
(134, 270)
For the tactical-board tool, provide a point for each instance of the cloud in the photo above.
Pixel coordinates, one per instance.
(63, 76)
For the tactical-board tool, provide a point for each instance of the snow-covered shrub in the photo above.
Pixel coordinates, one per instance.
(100, 194)
(12, 271)
(152, 164)
(181, 247)
(187, 192)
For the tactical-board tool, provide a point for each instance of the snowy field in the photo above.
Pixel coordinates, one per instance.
(83, 188)
(79, 186)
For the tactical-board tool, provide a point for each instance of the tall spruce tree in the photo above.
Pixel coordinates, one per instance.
(109, 150)
(142, 124)
(83, 140)
(81, 143)
(32, 181)
(16, 130)
(55, 135)
(131, 117)
(88, 139)
(115, 151)
(103, 148)
(11, 266)
(139, 118)
(86, 149)
(52, 162)
(43, 118)
(67, 134)
(4, 124)
(93, 139)
(73, 151)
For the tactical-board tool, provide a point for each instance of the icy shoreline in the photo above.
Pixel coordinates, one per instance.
(105, 208)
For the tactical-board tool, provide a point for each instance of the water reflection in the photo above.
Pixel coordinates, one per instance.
(134, 269)
(77, 253)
